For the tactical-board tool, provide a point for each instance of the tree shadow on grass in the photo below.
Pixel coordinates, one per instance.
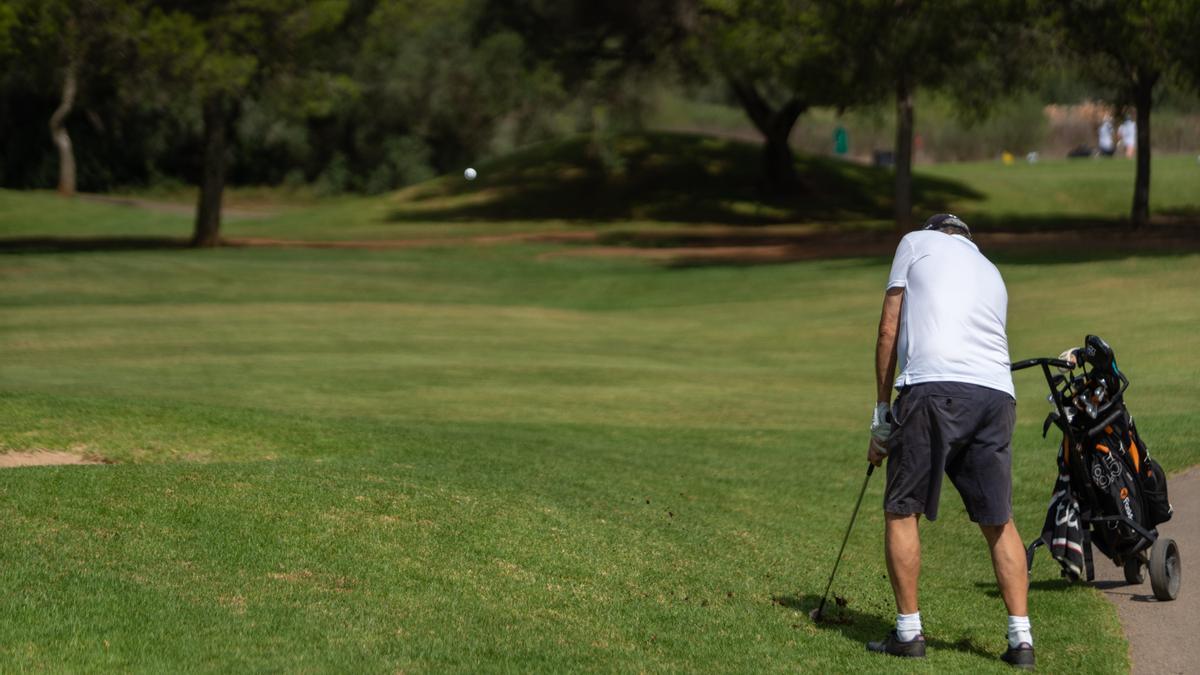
(684, 249)
(1183, 212)
(1069, 248)
(1031, 240)
(862, 627)
(665, 177)
(34, 245)
(1060, 585)
(1175, 223)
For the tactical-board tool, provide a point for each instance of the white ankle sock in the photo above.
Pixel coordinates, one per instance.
(908, 626)
(1018, 631)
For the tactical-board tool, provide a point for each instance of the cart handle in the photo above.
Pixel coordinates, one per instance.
(1045, 363)
(1029, 363)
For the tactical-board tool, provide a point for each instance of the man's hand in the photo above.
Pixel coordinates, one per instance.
(876, 452)
(881, 429)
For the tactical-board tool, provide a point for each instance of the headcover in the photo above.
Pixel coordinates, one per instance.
(1103, 362)
(941, 220)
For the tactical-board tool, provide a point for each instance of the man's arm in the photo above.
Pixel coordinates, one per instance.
(885, 344)
(885, 368)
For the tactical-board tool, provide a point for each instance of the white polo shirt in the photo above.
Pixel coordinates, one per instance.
(952, 321)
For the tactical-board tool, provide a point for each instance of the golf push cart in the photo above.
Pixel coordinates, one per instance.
(1109, 491)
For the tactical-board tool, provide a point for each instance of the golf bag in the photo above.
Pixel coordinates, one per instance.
(1109, 493)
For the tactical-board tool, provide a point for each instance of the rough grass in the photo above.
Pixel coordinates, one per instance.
(475, 459)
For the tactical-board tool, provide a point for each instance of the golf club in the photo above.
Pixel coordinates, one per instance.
(816, 613)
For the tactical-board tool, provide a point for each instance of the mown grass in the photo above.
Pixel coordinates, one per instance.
(481, 459)
(1050, 193)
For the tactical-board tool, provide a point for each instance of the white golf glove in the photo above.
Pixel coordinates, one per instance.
(881, 425)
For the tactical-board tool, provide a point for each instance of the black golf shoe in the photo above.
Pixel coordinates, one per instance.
(893, 645)
(1020, 656)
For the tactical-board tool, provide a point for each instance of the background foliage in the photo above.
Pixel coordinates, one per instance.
(395, 91)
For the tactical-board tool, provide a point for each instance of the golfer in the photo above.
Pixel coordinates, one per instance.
(943, 324)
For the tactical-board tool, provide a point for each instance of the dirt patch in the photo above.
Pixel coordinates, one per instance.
(383, 244)
(693, 255)
(735, 246)
(12, 460)
(723, 245)
(713, 244)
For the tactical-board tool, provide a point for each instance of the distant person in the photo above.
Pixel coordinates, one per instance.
(1106, 141)
(944, 325)
(1128, 133)
(841, 141)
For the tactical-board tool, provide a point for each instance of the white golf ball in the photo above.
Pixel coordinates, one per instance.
(470, 174)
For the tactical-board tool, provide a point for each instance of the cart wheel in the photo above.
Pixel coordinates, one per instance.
(1165, 569)
(1133, 571)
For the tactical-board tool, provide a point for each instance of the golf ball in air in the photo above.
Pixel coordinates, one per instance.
(470, 174)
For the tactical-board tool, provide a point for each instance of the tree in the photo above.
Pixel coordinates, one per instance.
(432, 80)
(593, 51)
(72, 40)
(775, 56)
(8, 21)
(216, 53)
(974, 51)
(1184, 25)
(1127, 45)
(778, 59)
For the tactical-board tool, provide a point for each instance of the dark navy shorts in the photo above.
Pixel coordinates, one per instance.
(962, 430)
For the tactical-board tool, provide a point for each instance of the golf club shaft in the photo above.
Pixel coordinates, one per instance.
(853, 516)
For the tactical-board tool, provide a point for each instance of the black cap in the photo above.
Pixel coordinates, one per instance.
(941, 220)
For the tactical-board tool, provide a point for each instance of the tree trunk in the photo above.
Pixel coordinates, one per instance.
(903, 156)
(1142, 95)
(212, 182)
(58, 131)
(779, 164)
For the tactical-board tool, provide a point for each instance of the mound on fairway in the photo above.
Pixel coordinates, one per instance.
(662, 177)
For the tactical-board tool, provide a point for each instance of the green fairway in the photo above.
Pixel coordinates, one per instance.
(481, 459)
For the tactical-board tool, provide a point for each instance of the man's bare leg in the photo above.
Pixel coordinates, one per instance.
(902, 545)
(1008, 560)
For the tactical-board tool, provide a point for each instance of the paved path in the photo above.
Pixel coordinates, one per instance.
(1164, 637)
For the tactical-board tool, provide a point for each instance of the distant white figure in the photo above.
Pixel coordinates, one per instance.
(1107, 146)
(1128, 133)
